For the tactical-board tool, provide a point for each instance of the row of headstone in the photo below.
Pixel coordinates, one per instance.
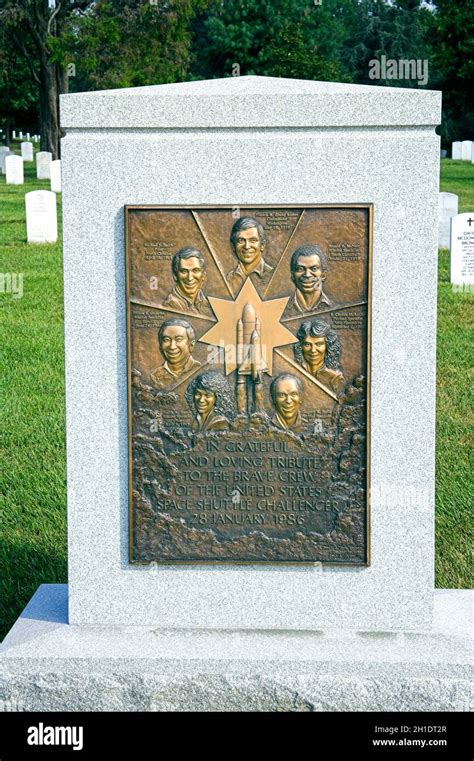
(462, 250)
(46, 168)
(41, 217)
(463, 150)
(18, 135)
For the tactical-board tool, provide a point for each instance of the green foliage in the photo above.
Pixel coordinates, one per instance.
(130, 44)
(452, 27)
(286, 38)
(289, 56)
(377, 28)
(18, 92)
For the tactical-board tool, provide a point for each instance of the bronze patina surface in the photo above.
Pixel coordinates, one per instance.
(248, 355)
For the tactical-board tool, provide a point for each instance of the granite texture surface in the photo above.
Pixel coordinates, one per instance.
(48, 665)
(397, 171)
(251, 102)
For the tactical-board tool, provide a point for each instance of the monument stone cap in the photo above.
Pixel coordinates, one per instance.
(230, 102)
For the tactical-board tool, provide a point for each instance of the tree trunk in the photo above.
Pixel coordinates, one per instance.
(49, 107)
(63, 88)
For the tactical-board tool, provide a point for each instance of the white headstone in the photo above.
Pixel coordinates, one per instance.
(448, 208)
(27, 151)
(466, 149)
(456, 151)
(443, 153)
(43, 165)
(13, 135)
(56, 176)
(462, 249)
(14, 170)
(41, 216)
(3, 155)
(20, 135)
(28, 136)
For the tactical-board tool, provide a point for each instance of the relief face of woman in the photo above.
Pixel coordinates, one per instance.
(318, 351)
(209, 399)
(314, 351)
(204, 401)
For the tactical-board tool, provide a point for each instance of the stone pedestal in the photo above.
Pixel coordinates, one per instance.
(48, 665)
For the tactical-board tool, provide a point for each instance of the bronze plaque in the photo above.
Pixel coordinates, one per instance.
(248, 360)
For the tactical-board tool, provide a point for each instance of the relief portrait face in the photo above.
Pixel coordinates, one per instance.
(190, 276)
(308, 275)
(204, 401)
(248, 246)
(314, 349)
(287, 398)
(175, 345)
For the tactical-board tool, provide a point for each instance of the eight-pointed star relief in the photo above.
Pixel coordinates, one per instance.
(224, 333)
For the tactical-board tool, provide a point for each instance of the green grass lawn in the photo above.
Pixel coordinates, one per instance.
(32, 449)
(33, 472)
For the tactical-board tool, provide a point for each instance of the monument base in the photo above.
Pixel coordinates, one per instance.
(48, 665)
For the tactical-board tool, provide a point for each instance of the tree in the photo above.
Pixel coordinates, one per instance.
(34, 28)
(124, 43)
(18, 94)
(130, 44)
(453, 66)
(396, 30)
(292, 38)
(289, 55)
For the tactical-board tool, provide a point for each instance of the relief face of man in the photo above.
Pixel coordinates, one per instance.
(287, 395)
(248, 242)
(175, 346)
(190, 276)
(249, 248)
(189, 273)
(308, 272)
(176, 339)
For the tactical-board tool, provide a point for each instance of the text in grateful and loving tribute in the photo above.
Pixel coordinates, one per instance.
(248, 360)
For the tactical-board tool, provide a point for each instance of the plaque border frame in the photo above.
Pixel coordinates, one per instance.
(231, 563)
